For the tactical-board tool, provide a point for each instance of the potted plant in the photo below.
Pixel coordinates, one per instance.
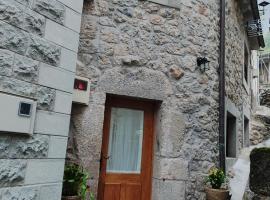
(216, 178)
(75, 183)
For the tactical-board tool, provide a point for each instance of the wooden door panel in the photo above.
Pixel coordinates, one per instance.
(127, 186)
(133, 191)
(112, 191)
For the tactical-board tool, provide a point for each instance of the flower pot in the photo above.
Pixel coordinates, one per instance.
(217, 194)
(71, 198)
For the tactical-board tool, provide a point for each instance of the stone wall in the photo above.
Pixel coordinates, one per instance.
(237, 91)
(260, 126)
(143, 49)
(38, 53)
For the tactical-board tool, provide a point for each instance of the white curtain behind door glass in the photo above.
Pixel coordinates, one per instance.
(125, 144)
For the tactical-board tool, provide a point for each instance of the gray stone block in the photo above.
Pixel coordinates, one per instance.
(63, 102)
(140, 82)
(18, 87)
(46, 98)
(59, 78)
(42, 171)
(34, 23)
(171, 132)
(170, 168)
(42, 50)
(172, 190)
(50, 192)
(6, 62)
(34, 147)
(18, 15)
(20, 193)
(61, 35)
(57, 147)
(25, 68)
(25, 2)
(13, 38)
(5, 143)
(52, 123)
(51, 9)
(12, 172)
(12, 12)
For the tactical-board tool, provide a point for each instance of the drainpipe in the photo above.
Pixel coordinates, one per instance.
(222, 87)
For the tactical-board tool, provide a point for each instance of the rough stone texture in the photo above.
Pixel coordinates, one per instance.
(18, 87)
(12, 172)
(13, 39)
(234, 50)
(34, 23)
(22, 50)
(130, 48)
(171, 169)
(259, 171)
(176, 72)
(260, 128)
(20, 193)
(166, 189)
(51, 9)
(35, 146)
(12, 12)
(44, 51)
(25, 69)
(46, 98)
(5, 146)
(25, 2)
(265, 97)
(18, 15)
(140, 82)
(6, 62)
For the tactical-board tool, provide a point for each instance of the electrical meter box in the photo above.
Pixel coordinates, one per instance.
(81, 90)
(17, 114)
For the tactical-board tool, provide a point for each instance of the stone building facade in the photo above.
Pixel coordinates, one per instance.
(240, 64)
(148, 49)
(38, 52)
(140, 49)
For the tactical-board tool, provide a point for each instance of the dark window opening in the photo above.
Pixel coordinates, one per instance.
(231, 136)
(246, 132)
(246, 64)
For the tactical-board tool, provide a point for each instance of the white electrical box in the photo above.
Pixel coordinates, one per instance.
(81, 90)
(17, 114)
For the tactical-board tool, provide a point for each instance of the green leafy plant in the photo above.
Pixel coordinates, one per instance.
(216, 177)
(75, 182)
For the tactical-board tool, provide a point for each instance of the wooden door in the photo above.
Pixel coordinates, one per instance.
(127, 150)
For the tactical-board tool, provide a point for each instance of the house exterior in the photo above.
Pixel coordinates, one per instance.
(151, 127)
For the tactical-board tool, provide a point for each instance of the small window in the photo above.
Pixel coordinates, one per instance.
(231, 136)
(246, 132)
(246, 65)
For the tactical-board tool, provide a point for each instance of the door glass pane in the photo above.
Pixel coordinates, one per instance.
(125, 144)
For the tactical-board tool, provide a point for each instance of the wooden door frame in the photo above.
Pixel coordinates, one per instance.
(146, 164)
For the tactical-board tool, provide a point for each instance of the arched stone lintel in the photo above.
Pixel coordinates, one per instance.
(135, 82)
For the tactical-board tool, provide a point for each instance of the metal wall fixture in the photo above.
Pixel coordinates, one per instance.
(203, 63)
